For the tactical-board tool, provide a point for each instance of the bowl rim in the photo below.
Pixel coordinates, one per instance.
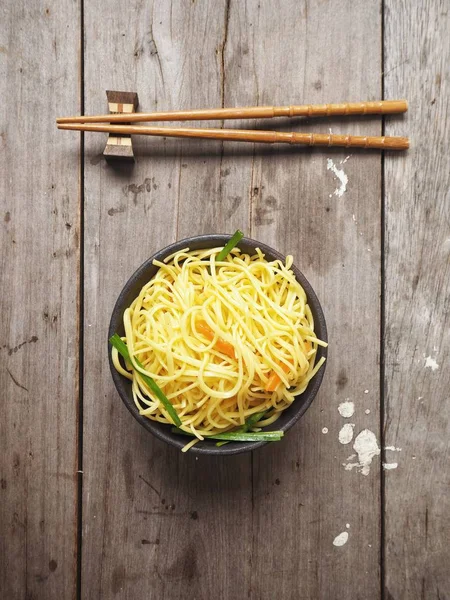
(161, 430)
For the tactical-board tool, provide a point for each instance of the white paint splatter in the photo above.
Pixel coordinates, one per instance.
(341, 539)
(366, 391)
(347, 525)
(389, 466)
(350, 466)
(393, 448)
(354, 218)
(346, 433)
(345, 159)
(325, 430)
(366, 447)
(367, 411)
(341, 175)
(346, 409)
(430, 363)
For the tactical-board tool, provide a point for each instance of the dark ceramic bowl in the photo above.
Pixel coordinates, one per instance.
(131, 291)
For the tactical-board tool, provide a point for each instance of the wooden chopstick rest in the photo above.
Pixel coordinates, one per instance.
(119, 145)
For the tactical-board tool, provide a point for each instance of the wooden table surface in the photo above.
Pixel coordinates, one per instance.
(91, 506)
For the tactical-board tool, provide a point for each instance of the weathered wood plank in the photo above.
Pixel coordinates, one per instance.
(417, 414)
(303, 495)
(168, 513)
(204, 55)
(39, 183)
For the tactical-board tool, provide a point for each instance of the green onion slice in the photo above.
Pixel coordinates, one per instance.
(232, 242)
(122, 349)
(239, 436)
(252, 419)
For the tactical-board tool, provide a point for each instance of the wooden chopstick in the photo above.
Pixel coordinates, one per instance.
(382, 107)
(242, 135)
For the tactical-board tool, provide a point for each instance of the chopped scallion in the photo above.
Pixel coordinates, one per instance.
(232, 242)
(252, 419)
(122, 349)
(237, 436)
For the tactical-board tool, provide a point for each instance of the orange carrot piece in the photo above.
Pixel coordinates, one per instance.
(274, 379)
(220, 345)
(308, 345)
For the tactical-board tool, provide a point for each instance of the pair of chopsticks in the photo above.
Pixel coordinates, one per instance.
(383, 107)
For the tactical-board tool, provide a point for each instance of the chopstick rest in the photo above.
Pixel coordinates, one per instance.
(119, 145)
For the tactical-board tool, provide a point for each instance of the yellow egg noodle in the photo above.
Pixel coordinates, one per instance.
(223, 340)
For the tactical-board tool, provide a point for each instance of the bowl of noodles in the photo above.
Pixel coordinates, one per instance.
(218, 344)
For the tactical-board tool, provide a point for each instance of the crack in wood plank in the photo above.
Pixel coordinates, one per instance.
(19, 385)
(222, 50)
(150, 485)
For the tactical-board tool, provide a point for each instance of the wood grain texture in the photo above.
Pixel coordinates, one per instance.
(39, 195)
(303, 496)
(151, 516)
(170, 514)
(263, 525)
(417, 413)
